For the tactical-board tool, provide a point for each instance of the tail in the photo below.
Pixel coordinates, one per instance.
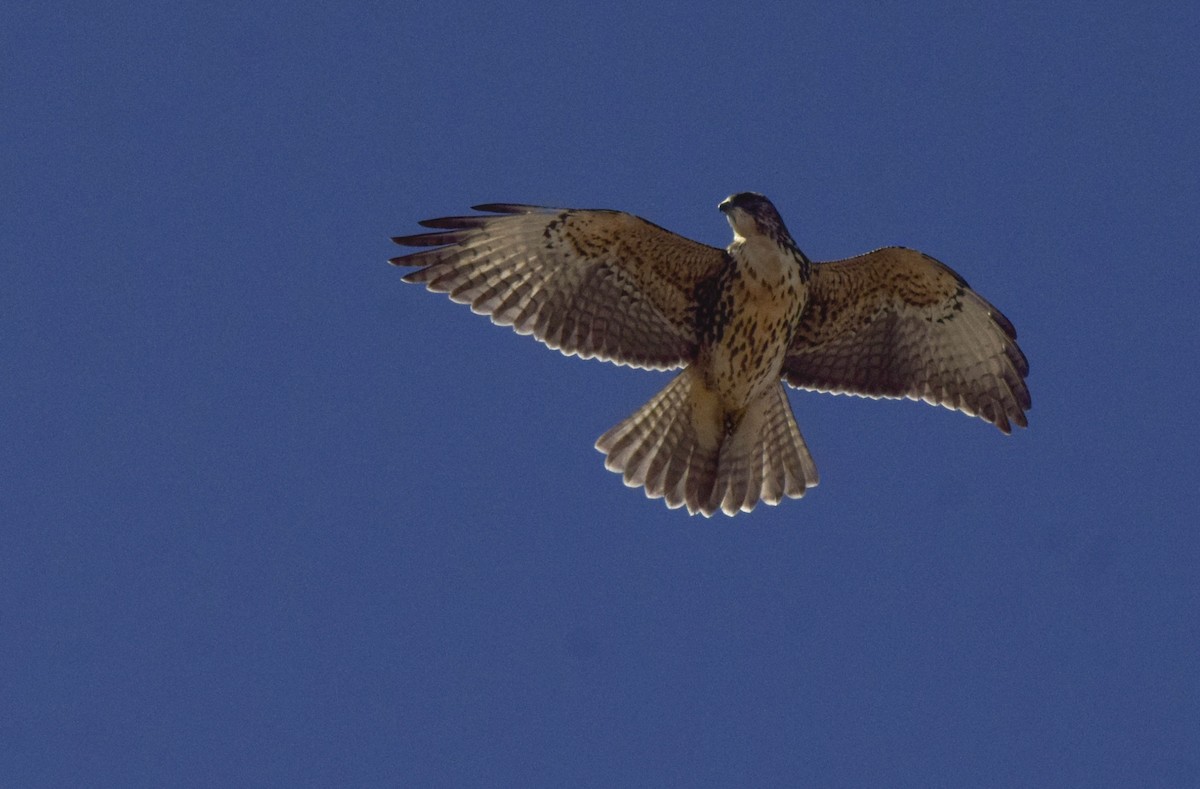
(684, 447)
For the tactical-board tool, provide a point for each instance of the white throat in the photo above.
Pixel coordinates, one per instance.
(760, 256)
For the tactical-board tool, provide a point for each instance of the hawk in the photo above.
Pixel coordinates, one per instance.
(740, 321)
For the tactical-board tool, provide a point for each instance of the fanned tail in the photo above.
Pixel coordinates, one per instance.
(683, 446)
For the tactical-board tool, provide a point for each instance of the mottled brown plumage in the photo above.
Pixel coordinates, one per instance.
(897, 323)
(721, 435)
(599, 284)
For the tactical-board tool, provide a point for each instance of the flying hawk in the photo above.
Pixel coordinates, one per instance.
(721, 436)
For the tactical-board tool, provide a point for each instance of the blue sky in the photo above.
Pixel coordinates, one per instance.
(273, 517)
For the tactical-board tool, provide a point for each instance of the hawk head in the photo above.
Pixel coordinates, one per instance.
(750, 214)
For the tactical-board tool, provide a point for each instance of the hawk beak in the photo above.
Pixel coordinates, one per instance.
(725, 205)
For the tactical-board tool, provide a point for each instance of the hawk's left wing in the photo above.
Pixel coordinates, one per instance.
(602, 284)
(897, 323)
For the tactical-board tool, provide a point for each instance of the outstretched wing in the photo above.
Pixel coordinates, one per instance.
(601, 284)
(897, 323)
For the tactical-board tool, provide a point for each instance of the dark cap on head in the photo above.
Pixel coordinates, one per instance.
(751, 202)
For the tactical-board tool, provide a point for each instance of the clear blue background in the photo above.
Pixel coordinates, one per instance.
(272, 517)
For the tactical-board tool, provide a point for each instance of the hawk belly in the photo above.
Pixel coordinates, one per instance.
(755, 319)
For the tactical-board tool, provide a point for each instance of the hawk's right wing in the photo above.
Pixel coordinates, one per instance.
(897, 323)
(603, 284)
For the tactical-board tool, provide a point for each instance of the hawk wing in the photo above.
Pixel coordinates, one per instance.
(603, 284)
(897, 323)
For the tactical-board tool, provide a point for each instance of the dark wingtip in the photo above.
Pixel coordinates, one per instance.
(438, 239)
(1018, 358)
(456, 222)
(509, 208)
(1004, 323)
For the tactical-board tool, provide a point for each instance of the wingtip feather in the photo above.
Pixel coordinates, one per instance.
(510, 208)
